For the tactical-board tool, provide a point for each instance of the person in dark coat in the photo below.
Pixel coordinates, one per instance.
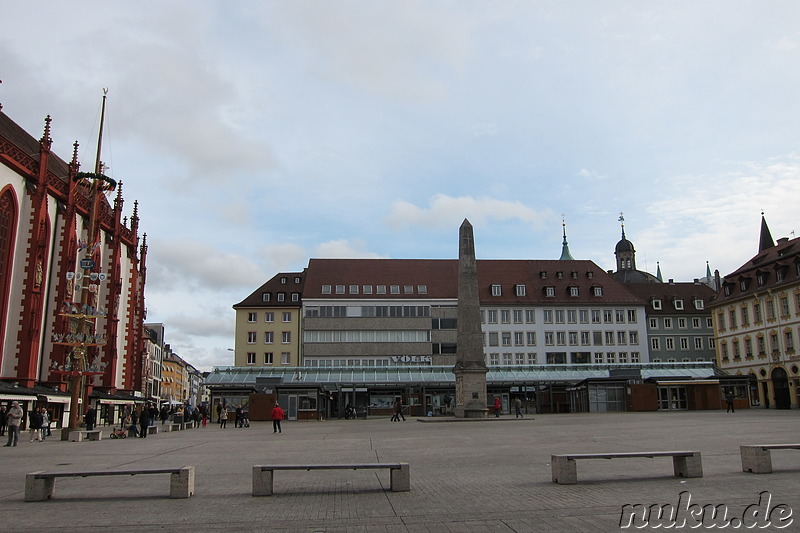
(163, 414)
(90, 418)
(35, 424)
(144, 422)
(3, 419)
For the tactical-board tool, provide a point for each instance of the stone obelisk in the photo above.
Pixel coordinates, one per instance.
(470, 369)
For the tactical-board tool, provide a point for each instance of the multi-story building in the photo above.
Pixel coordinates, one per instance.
(154, 346)
(268, 323)
(757, 322)
(175, 384)
(55, 301)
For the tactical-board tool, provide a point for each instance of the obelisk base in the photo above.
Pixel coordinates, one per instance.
(471, 393)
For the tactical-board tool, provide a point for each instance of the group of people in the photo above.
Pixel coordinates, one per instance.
(242, 420)
(39, 420)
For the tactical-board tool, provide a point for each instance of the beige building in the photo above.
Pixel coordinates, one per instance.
(757, 323)
(268, 323)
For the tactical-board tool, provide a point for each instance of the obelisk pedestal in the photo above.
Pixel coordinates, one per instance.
(470, 369)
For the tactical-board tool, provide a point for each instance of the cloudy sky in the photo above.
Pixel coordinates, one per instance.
(256, 135)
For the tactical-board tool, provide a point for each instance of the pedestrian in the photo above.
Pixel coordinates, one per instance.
(219, 410)
(35, 424)
(144, 422)
(237, 421)
(497, 406)
(49, 421)
(45, 423)
(3, 420)
(205, 415)
(518, 407)
(90, 418)
(223, 417)
(196, 417)
(164, 414)
(14, 419)
(398, 410)
(130, 425)
(277, 416)
(729, 399)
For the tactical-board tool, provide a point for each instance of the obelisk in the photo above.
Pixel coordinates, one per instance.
(470, 369)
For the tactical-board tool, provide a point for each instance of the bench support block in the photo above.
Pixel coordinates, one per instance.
(38, 490)
(181, 483)
(401, 478)
(756, 459)
(565, 470)
(688, 466)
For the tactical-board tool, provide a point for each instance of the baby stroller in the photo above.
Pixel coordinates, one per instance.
(118, 433)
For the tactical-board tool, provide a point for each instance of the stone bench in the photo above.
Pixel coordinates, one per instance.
(171, 427)
(263, 475)
(756, 458)
(89, 434)
(39, 486)
(685, 463)
(152, 430)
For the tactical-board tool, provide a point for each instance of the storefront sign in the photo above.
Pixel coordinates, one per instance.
(411, 359)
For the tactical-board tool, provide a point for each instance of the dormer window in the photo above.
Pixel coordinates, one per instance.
(408, 289)
(560, 275)
(657, 305)
(780, 274)
(340, 289)
(353, 289)
(283, 280)
(266, 296)
(574, 275)
(678, 305)
(727, 289)
(598, 291)
(366, 289)
(326, 289)
(394, 289)
(281, 296)
(550, 291)
(743, 285)
(573, 291)
(699, 304)
(762, 279)
(422, 289)
(543, 274)
(590, 275)
(297, 279)
(520, 290)
(497, 290)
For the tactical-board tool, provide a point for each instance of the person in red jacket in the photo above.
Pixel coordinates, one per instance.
(277, 416)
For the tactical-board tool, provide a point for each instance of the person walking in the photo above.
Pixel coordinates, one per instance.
(90, 418)
(277, 416)
(237, 421)
(144, 422)
(497, 406)
(35, 424)
(14, 419)
(45, 424)
(223, 417)
(3, 420)
(729, 399)
(518, 407)
(164, 414)
(398, 411)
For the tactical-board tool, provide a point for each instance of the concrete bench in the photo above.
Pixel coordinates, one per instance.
(757, 459)
(263, 475)
(685, 463)
(89, 434)
(152, 430)
(39, 486)
(171, 427)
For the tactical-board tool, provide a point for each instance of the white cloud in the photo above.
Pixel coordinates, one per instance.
(446, 212)
(344, 248)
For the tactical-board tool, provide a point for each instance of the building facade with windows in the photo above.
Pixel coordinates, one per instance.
(268, 323)
(756, 321)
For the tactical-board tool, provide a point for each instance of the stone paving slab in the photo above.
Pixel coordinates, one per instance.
(484, 476)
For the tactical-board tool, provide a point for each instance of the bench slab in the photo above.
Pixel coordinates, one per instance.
(90, 434)
(756, 458)
(40, 486)
(264, 475)
(684, 463)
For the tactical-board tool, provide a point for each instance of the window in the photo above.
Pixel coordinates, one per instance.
(789, 341)
(633, 337)
(286, 358)
(251, 358)
(394, 289)
(505, 316)
(748, 348)
(622, 337)
(530, 316)
(635, 357)
(408, 289)
(653, 323)
(595, 316)
(295, 297)
(559, 316)
(267, 358)
(762, 346)
(784, 306)
(736, 352)
(506, 336)
(655, 343)
(353, 289)
(623, 357)
(696, 323)
(519, 338)
(667, 323)
(493, 338)
(619, 316)
(252, 317)
(520, 290)
(281, 296)
(492, 316)
(283, 280)
(287, 316)
(494, 359)
(679, 305)
(519, 359)
(286, 337)
(770, 309)
(609, 338)
(531, 338)
(550, 291)
(632, 316)
(598, 358)
(497, 290)
(532, 358)
(421, 289)
(681, 323)
(608, 316)
(265, 296)
(380, 289)
(657, 305)
(684, 343)
(583, 316)
(598, 291)
(745, 316)
(573, 291)
(585, 338)
(732, 315)
(326, 289)
(669, 343)
(699, 304)
(611, 357)
(549, 338)
(517, 316)
(572, 316)
(757, 312)
(698, 343)
(251, 337)
(269, 337)
(573, 338)
(548, 316)
(561, 338)
(340, 289)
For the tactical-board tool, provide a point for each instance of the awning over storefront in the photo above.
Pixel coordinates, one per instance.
(49, 398)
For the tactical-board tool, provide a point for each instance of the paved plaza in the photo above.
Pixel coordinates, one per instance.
(489, 475)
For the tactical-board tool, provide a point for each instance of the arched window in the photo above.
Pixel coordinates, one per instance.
(8, 226)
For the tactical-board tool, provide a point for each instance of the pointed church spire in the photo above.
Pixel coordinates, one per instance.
(565, 255)
(658, 272)
(765, 241)
(708, 271)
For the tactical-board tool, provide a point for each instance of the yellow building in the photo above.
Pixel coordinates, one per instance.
(175, 381)
(268, 324)
(757, 322)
